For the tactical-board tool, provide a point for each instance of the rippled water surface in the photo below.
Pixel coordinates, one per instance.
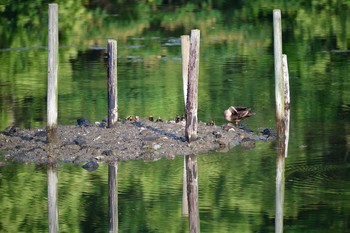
(237, 189)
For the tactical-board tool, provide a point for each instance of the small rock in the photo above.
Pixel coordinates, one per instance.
(266, 132)
(146, 146)
(248, 143)
(72, 147)
(11, 130)
(170, 156)
(156, 146)
(100, 124)
(83, 122)
(142, 129)
(150, 138)
(221, 144)
(100, 157)
(228, 127)
(217, 134)
(40, 133)
(91, 166)
(80, 141)
(108, 153)
(269, 133)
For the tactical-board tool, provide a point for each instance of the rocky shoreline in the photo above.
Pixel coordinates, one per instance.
(130, 140)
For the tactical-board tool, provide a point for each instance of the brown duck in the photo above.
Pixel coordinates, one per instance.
(236, 114)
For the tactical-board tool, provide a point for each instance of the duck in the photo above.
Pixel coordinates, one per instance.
(238, 113)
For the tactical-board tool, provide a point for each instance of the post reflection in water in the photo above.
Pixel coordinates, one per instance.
(184, 191)
(192, 192)
(52, 181)
(282, 151)
(113, 196)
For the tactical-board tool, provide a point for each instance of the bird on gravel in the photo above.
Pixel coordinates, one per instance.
(238, 113)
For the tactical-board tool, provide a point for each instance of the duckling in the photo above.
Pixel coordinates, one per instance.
(132, 118)
(159, 119)
(236, 114)
(211, 123)
(151, 118)
(179, 118)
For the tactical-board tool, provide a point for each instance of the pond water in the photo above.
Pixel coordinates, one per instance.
(236, 189)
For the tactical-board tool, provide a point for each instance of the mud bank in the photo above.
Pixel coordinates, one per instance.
(129, 140)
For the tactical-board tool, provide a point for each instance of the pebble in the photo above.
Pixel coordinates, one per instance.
(83, 122)
(217, 134)
(156, 146)
(108, 153)
(80, 141)
(91, 166)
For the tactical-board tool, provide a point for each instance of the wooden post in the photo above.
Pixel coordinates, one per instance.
(112, 83)
(184, 191)
(192, 91)
(286, 103)
(280, 183)
(192, 193)
(286, 81)
(113, 197)
(279, 86)
(52, 181)
(52, 93)
(185, 51)
(282, 117)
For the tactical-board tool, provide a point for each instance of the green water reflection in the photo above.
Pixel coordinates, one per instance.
(235, 195)
(236, 67)
(236, 54)
(150, 195)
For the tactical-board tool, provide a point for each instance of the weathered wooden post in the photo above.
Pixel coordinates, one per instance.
(286, 102)
(112, 83)
(185, 51)
(282, 150)
(113, 197)
(192, 193)
(286, 81)
(52, 93)
(52, 181)
(192, 91)
(280, 183)
(279, 84)
(184, 191)
(279, 97)
(282, 117)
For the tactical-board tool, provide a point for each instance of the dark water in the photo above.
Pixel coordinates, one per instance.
(236, 189)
